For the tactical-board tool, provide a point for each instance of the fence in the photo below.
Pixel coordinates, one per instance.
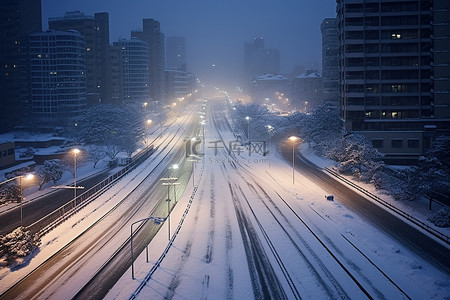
(53, 219)
(398, 211)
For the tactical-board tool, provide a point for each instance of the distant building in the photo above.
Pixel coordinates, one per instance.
(135, 75)
(176, 53)
(115, 93)
(95, 30)
(264, 88)
(394, 78)
(178, 84)
(307, 90)
(7, 154)
(58, 77)
(259, 60)
(330, 60)
(152, 35)
(18, 19)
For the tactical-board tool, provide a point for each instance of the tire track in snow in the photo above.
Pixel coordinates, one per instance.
(207, 258)
(229, 280)
(176, 279)
(336, 287)
(263, 278)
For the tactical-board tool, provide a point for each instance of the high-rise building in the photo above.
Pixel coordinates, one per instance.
(307, 90)
(441, 59)
(95, 30)
(259, 60)
(115, 93)
(151, 34)
(389, 85)
(18, 19)
(178, 84)
(176, 53)
(58, 77)
(330, 60)
(135, 75)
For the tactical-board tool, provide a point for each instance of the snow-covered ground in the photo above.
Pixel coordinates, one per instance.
(77, 224)
(207, 258)
(419, 209)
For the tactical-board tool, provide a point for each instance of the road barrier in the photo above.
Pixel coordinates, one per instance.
(61, 214)
(386, 204)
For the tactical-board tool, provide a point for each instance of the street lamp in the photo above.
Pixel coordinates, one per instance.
(75, 152)
(28, 177)
(293, 139)
(270, 132)
(248, 127)
(194, 161)
(203, 135)
(169, 181)
(157, 221)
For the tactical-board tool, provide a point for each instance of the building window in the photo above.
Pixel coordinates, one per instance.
(397, 143)
(377, 143)
(413, 143)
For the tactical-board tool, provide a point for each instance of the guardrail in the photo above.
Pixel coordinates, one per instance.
(386, 204)
(172, 239)
(59, 215)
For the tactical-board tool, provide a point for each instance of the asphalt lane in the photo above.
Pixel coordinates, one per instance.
(38, 208)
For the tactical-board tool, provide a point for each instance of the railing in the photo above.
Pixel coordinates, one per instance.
(56, 217)
(386, 204)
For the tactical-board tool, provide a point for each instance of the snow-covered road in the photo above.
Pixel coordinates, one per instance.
(250, 233)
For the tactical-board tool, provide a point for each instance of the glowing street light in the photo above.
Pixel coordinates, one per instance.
(248, 127)
(27, 177)
(293, 139)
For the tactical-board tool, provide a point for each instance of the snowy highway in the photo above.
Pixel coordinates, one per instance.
(240, 230)
(251, 234)
(66, 272)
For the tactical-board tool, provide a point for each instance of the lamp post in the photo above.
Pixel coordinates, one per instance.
(28, 177)
(174, 167)
(156, 220)
(75, 152)
(293, 139)
(194, 161)
(169, 181)
(203, 135)
(147, 127)
(270, 133)
(248, 127)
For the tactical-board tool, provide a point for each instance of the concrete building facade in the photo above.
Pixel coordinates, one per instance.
(152, 35)
(135, 75)
(58, 77)
(388, 75)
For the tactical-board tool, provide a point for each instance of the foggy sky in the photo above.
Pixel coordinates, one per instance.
(215, 30)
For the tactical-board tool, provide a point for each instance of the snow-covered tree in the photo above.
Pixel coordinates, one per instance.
(434, 169)
(50, 170)
(96, 153)
(118, 128)
(357, 156)
(9, 192)
(441, 218)
(18, 243)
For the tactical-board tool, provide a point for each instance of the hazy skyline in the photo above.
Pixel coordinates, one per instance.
(215, 32)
